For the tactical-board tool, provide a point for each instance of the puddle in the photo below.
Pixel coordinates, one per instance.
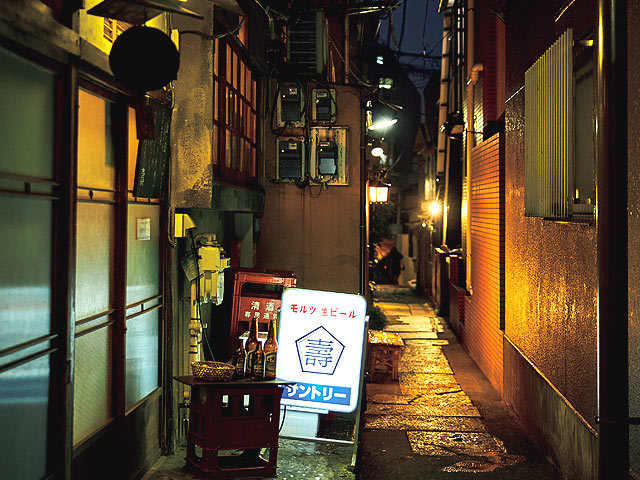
(493, 462)
(423, 422)
(452, 443)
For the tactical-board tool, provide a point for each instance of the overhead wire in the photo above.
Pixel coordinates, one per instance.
(424, 23)
(402, 25)
(392, 28)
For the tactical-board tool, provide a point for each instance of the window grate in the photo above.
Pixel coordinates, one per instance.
(549, 132)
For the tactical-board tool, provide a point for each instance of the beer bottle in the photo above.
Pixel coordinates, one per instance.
(251, 348)
(258, 366)
(239, 361)
(270, 351)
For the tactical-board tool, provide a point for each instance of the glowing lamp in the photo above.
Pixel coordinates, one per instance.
(377, 151)
(383, 123)
(435, 209)
(379, 193)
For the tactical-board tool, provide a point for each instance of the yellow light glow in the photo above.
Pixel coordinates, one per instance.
(435, 208)
(378, 193)
(377, 151)
(384, 123)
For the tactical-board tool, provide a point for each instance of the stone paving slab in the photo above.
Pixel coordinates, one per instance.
(430, 381)
(418, 335)
(392, 399)
(412, 350)
(417, 342)
(422, 353)
(452, 443)
(406, 366)
(431, 410)
(409, 328)
(390, 306)
(423, 422)
(454, 399)
(424, 320)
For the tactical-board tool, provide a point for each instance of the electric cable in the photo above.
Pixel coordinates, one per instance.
(392, 27)
(424, 24)
(404, 18)
(284, 415)
(213, 37)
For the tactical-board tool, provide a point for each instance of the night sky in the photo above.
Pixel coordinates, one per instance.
(422, 33)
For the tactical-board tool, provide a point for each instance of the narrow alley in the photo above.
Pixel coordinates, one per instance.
(442, 419)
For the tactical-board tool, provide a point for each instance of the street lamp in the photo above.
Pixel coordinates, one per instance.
(383, 123)
(379, 193)
(435, 208)
(376, 148)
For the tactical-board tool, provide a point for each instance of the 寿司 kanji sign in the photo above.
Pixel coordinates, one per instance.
(320, 345)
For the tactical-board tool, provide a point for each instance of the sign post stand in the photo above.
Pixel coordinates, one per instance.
(321, 347)
(356, 435)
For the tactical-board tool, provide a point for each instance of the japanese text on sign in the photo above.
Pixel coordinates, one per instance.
(319, 351)
(322, 310)
(318, 393)
(250, 307)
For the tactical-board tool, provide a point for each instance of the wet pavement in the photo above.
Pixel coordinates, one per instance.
(440, 419)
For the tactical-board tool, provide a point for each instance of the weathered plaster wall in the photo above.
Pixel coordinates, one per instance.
(192, 122)
(315, 232)
(550, 271)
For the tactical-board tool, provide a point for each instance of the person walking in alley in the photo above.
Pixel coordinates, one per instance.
(395, 260)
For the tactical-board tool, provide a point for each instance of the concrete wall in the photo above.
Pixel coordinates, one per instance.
(549, 419)
(550, 267)
(312, 231)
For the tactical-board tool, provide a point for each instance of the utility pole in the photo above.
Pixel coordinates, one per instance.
(612, 238)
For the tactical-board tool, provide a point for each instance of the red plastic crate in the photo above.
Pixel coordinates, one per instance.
(219, 420)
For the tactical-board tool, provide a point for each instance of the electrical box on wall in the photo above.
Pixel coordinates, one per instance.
(324, 105)
(291, 156)
(327, 158)
(290, 105)
(328, 155)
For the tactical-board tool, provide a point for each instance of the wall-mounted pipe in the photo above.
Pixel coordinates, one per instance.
(470, 143)
(612, 238)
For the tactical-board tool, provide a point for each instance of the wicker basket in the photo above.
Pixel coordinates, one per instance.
(214, 371)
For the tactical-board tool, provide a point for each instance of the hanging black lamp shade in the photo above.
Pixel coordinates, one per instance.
(144, 59)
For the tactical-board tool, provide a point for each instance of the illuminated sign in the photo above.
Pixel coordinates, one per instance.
(320, 348)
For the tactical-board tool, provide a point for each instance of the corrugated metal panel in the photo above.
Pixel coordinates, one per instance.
(549, 131)
(484, 310)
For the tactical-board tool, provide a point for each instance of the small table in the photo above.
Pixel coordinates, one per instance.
(235, 415)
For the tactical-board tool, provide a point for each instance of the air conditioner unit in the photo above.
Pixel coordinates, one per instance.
(306, 42)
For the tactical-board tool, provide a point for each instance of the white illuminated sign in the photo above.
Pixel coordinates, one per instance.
(320, 348)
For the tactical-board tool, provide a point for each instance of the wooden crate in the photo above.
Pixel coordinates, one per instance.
(383, 354)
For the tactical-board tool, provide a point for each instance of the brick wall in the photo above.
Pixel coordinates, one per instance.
(484, 310)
